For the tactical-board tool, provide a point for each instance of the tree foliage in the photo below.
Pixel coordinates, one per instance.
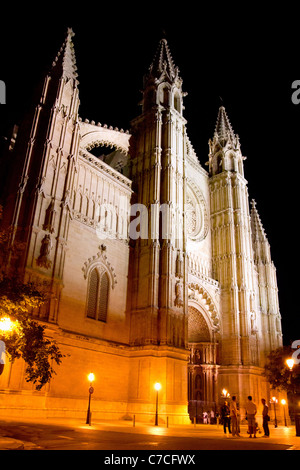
(27, 339)
(277, 372)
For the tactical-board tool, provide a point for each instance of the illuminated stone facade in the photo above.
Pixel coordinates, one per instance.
(191, 302)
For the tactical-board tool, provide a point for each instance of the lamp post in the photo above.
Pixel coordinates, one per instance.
(91, 378)
(274, 400)
(291, 362)
(2, 356)
(283, 402)
(157, 387)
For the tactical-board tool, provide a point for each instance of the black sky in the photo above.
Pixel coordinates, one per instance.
(246, 55)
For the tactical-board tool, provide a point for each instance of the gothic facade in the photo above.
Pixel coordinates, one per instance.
(157, 268)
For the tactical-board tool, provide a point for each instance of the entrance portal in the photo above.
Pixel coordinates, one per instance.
(202, 367)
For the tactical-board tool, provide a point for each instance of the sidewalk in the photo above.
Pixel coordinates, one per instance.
(7, 443)
(281, 435)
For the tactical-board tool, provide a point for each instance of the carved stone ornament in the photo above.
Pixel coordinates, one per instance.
(199, 294)
(50, 217)
(253, 324)
(179, 265)
(43, 260)
(178, 295)
(196, 215)
(100, 260)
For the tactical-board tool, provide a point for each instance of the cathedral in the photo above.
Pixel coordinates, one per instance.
(159, 269)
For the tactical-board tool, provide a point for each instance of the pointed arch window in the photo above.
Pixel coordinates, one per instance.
(98, 291)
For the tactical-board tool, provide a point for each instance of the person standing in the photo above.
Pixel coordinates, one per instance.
(251, 410)
(234, 417)
(225, 416)
(266, 418)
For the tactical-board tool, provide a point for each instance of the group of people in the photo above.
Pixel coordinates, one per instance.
(209, 417)
(230, 417)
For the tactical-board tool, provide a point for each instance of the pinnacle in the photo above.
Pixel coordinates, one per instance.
(223, 128)
(65, 60)
(163, 61)
(258, 232)
(70, 32)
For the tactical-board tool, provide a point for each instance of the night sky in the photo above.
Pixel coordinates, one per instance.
(247, 56)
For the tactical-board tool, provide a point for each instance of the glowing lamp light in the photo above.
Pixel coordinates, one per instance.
(290, 363)
(283, 401)
(157, 386)
(7, 325)
(91, 377)
(225, 393)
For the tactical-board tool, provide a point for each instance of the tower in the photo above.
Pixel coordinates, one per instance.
(159, 284)
(45, 159)
(267, 285)
(233, 264)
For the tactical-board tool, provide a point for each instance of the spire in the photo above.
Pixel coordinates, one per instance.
(223, 129)
(162, 84)
(65, 62)
(224, 149)
(163, 63)
(258, 232)
(261, 246)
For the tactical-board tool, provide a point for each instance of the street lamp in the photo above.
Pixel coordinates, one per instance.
(91, 378)
(225, 393)
(157, 387)
(7, 325)
(290, 362)
(274, 400)
(283, 402)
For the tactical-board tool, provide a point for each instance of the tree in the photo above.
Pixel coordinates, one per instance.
(277, 372)
(23, 336)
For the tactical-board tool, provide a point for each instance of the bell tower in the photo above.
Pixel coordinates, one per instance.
(231, 243)
(159, 290)
(233, 263)
(45, 153)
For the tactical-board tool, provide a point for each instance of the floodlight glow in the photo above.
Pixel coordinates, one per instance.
(290, 363)
(91, 377)
(6, 324)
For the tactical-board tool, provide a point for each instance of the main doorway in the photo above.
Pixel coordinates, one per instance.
(202, 366)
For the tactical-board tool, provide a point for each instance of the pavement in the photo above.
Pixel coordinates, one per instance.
(74, 434)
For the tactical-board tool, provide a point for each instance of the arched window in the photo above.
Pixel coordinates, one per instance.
(103, 297)
(98, 289)
(92, 294)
